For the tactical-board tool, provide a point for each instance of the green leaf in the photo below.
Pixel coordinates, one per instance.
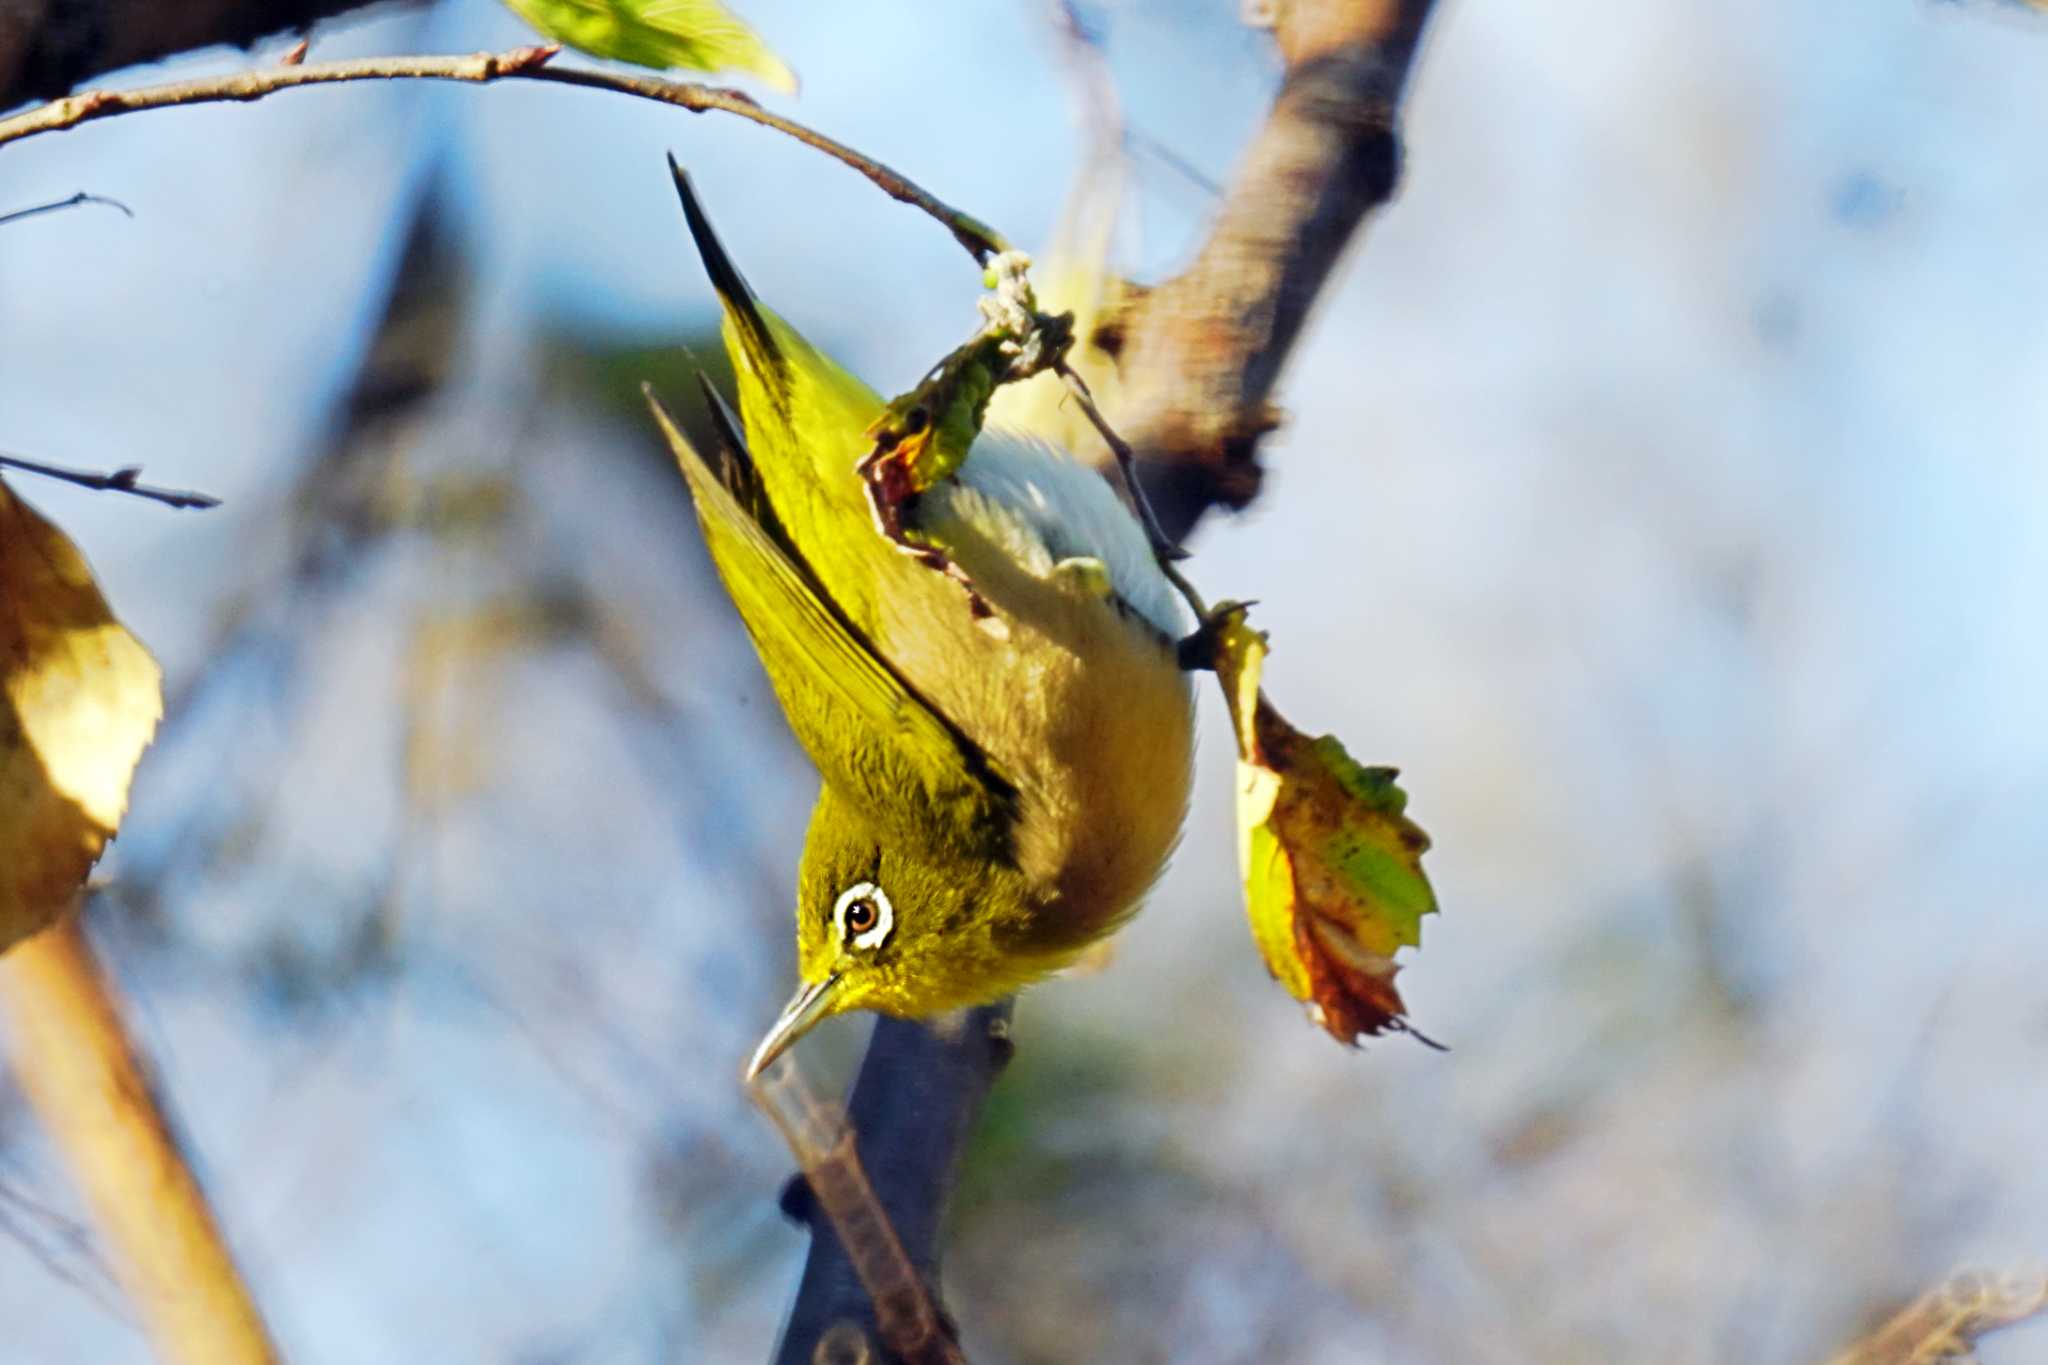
(697, 35)
(1332, 864)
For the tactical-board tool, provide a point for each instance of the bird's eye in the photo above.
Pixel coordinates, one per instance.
(863, 916)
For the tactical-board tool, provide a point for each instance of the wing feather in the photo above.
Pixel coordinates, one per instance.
(870, 734)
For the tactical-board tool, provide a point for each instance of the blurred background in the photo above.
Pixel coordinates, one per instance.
(1665, 492)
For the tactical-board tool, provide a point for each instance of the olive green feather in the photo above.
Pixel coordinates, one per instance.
(916, 773)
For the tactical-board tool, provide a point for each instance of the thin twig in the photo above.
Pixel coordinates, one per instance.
(1173, 161)
(74, 201)
(526, 63)
(122, 480)
(1163, 546)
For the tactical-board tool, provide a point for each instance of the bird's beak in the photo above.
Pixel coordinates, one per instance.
(810, 1004)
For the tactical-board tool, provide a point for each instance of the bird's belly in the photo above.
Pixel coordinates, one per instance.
(1082, 704)
(1123, 745)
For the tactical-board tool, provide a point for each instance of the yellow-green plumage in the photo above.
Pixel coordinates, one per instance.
(1005, 787)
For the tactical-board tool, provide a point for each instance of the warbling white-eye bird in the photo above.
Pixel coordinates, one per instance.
(1004, 768)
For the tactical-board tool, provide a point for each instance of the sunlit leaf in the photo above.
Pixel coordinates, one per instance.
(695, 35)
(1332, 864)
(79, 701)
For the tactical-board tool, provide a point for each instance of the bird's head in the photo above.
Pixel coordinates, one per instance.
(898, 925)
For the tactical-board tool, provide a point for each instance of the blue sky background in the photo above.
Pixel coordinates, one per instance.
(1665, 490)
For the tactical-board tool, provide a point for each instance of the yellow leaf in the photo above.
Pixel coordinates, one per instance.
(79, 701)
(1332, 865)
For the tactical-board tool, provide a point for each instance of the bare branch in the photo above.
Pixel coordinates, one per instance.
(122, 480)
(525, 63)
(1163, 547)
(54, 205)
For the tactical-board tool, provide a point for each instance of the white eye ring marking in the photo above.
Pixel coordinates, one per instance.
(885, 915)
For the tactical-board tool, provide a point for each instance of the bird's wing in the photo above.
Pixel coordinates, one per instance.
(871, 735)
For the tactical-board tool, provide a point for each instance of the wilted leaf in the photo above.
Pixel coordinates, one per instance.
(697, 35)
(79, 700)
(1332, 866)
(923, 436)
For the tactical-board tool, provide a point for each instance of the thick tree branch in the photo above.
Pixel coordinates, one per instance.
(1204, 351)
(912, 1111)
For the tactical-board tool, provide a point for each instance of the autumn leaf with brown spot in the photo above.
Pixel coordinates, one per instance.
(1332, 864)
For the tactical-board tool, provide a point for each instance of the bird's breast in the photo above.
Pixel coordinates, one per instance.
(1070, 682)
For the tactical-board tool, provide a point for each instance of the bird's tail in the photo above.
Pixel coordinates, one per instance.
(750, 334)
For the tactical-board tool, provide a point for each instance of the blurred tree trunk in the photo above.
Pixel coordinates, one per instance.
(73, 1059)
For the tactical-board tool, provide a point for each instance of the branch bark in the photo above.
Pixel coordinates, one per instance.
(912, 1111)
(1205, 350)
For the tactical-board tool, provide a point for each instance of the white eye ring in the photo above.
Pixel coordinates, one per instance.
(885, 915)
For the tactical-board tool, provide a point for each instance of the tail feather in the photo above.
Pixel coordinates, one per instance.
(736, 469)
(724, 418)
(742, 309)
